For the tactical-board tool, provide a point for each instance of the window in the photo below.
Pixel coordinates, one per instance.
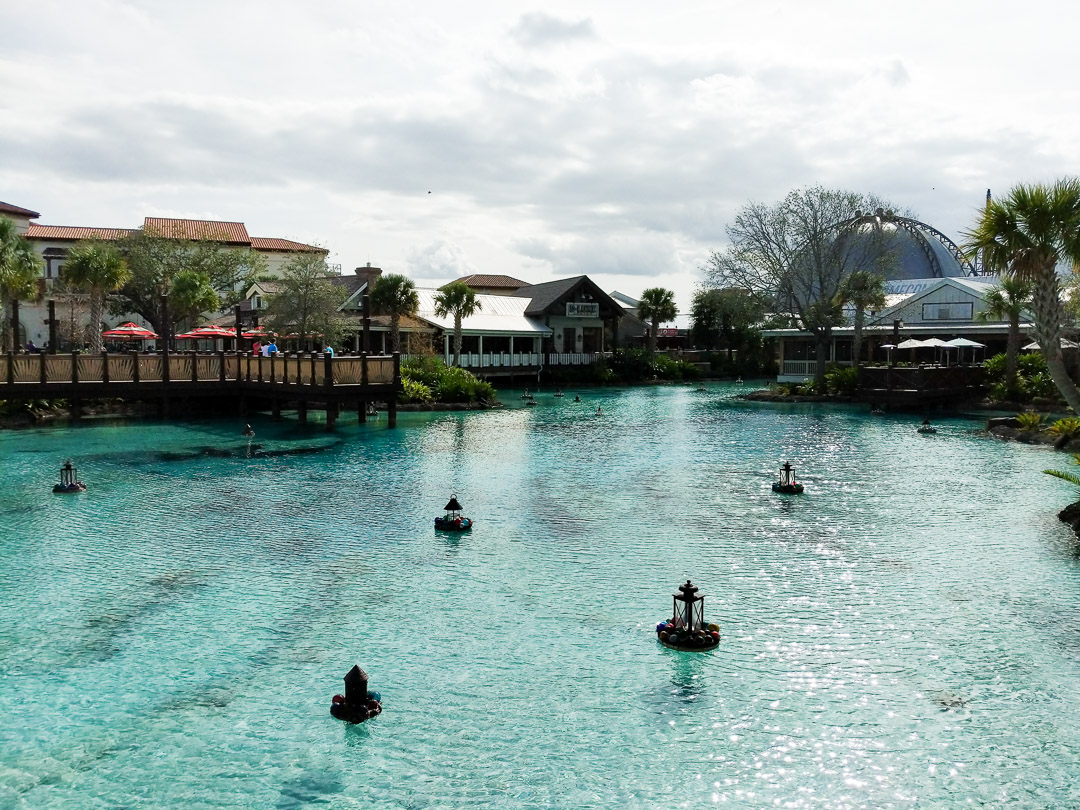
(947, 312)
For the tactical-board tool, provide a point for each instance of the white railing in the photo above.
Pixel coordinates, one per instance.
(576, 358)
(807, 368)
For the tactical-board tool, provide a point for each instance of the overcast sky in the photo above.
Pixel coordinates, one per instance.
(615, 139)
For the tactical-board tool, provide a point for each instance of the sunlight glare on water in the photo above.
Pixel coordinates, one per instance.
(904, 634)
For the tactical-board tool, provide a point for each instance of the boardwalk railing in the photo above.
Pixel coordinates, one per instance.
(507, 361)
(114, 369)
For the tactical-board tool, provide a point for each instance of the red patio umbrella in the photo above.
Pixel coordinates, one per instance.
(212, 331)
(255, 333)
(130, 331)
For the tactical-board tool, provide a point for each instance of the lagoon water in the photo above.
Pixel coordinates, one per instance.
(906, 634)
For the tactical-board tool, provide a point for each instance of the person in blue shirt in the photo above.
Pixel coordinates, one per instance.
(329, 350)
(271, 348)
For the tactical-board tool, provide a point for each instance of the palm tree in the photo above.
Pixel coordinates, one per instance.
(20, 268)
(864, 290)
(458, 299)
(394, 295)
(1026, 236)
(1008, 300)
(656, 306)
(191, 294)
(99, 269)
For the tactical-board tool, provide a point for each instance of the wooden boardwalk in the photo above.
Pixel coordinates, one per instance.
(900, 387)
(332, 383)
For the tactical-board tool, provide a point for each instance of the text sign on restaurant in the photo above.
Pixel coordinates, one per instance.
(576, 310)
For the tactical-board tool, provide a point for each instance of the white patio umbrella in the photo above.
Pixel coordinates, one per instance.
(963, 343)
(911, 343)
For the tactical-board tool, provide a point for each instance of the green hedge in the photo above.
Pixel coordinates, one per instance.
(427, 379)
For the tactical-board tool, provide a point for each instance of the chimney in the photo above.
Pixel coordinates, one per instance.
(369, 273)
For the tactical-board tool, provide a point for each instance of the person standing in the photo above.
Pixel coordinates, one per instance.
(329, 350)
(256, 348)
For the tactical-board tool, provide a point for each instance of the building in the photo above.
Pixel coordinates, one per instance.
(944, 308)
(501, 335)
(932, 290)
(583, 319)
(52, 243)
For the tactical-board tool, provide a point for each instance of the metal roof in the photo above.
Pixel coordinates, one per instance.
(498, 314)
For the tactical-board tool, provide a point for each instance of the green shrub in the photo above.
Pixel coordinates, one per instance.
(1032, 378)
(1070, 426)
(415, 391)
(632, 365)
(459, 385)
(426, 369)
(1029, 421)
(427, 378)
(842, 380)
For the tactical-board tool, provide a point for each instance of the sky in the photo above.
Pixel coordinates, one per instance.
(613, 139)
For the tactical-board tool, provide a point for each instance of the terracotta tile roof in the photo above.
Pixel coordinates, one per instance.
(8, 208)
(269, 243)
(507, 282)
(230, 233)
(65, 233)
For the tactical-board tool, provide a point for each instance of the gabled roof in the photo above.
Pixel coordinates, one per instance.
(66, 233)
(14, 210)
(970, 286)
(357, 286)
(230, 233)
(498, 314)
(493, 281)
(263, 287)
(545, 295)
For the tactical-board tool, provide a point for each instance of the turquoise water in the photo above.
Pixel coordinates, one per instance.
(906, 634)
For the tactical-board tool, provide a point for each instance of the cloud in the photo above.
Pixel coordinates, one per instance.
(625, 157)
(896, 73)
(627, 254)
(439, 259)
(540, 30)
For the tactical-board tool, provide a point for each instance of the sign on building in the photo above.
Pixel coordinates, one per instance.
(582, 310)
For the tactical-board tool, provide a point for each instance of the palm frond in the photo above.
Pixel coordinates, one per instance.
(1064, 476)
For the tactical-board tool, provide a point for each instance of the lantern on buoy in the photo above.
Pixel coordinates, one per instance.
(686, 630)
(787, 482)
(453, 520)
(357, 704)
(69, 479)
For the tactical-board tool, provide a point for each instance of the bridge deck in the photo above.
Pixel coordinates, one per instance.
(305, 379)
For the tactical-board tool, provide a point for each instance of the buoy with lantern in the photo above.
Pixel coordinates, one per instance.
(787, 483)
(453, 520)
(69, 480)
(686, 629)
(357, 704)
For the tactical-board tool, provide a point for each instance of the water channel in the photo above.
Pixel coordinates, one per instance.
(905, 634)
